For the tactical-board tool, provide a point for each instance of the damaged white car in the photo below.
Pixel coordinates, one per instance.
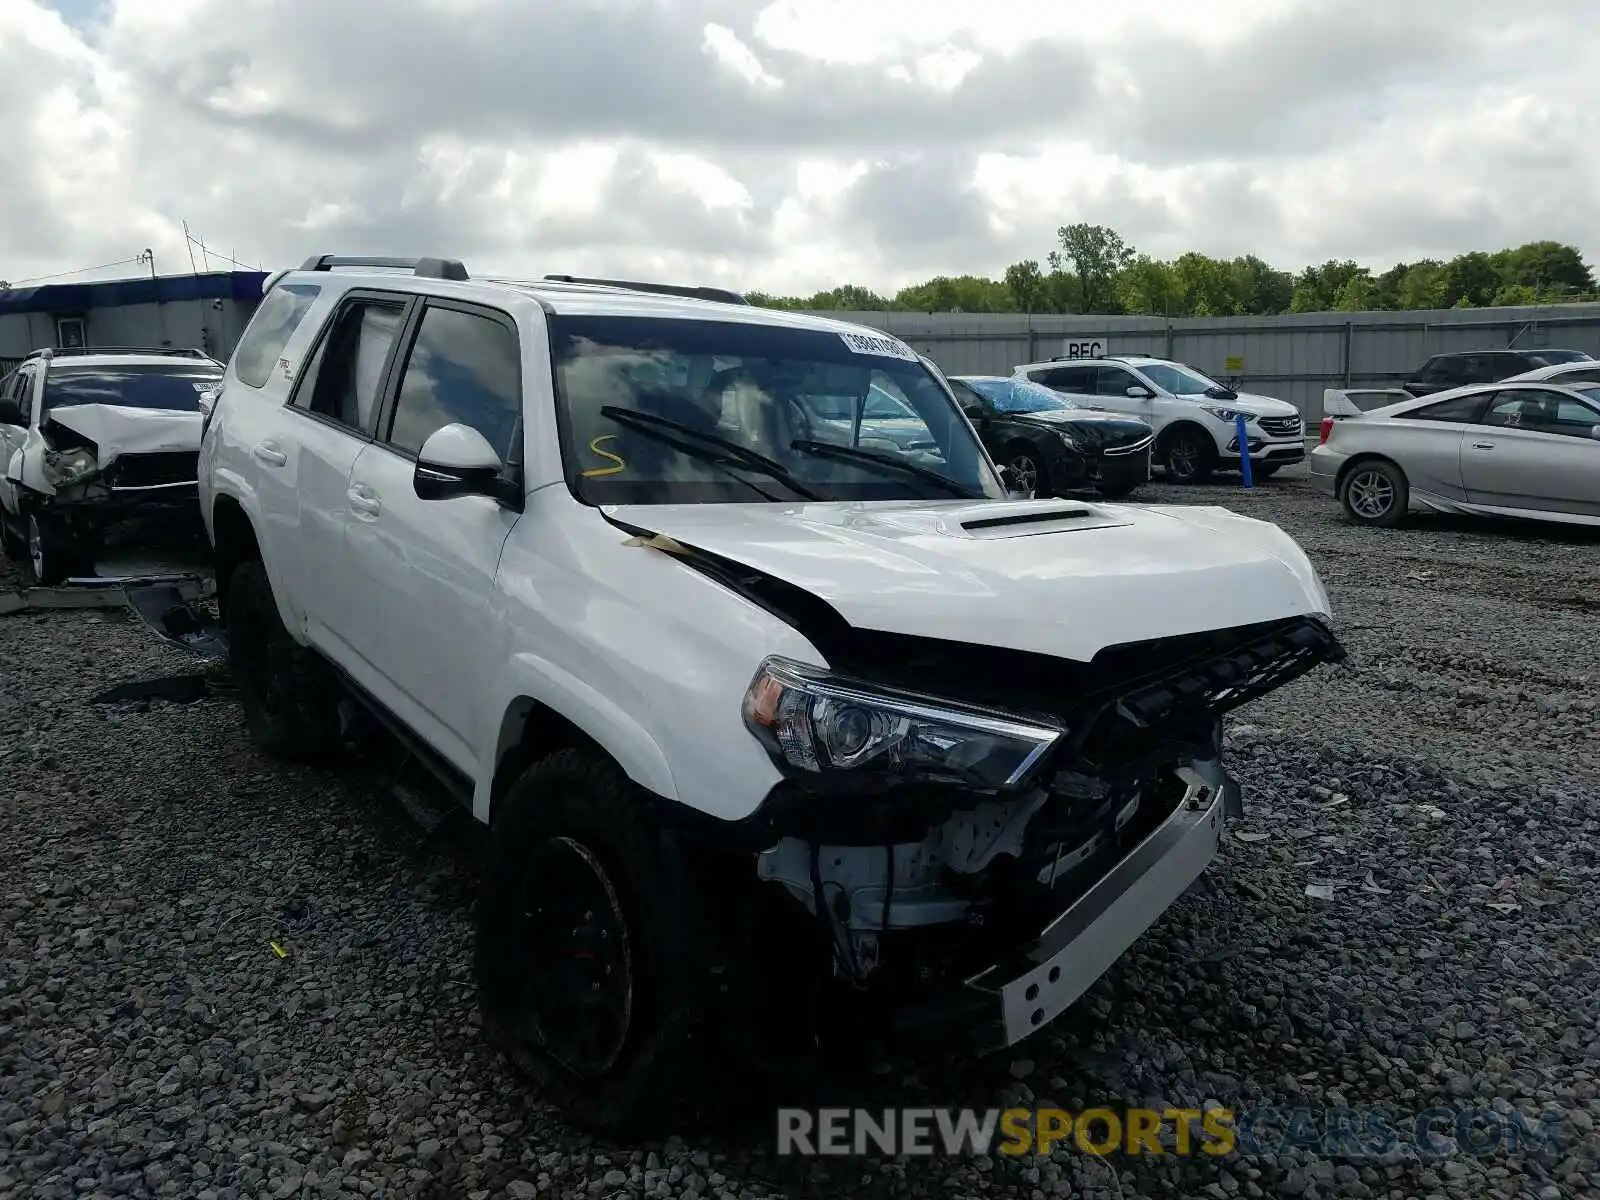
(93, 437)
(780, 731)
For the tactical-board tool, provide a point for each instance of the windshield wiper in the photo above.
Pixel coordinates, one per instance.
(709, 447)
(868, 457)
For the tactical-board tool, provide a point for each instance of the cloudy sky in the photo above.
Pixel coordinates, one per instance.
(789, 145)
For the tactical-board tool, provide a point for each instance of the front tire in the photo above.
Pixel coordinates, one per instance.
(592, 964)
(52, 554)
(289, 694)
(1375, 493)
(1029, 471)
(1190, 456)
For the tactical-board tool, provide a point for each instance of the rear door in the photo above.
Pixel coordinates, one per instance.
(326, 426)
(1535, 449)
(428, 566)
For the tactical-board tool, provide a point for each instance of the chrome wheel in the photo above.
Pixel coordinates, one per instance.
(1025, 472)
(1370, 494)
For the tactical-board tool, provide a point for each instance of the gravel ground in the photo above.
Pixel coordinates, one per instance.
(1439, 787)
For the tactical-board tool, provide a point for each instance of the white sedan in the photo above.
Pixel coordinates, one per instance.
(1511, 449)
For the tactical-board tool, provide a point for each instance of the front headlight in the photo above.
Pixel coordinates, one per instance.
(814, 721)
(1224, 414)
(62, 468)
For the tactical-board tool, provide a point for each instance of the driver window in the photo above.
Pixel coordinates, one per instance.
(1113, 381)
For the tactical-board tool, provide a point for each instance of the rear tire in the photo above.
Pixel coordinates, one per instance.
(1375, 493)
(1190, 456)
(594, 955)
(290, 696)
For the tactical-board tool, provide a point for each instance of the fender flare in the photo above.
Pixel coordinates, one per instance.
(615, 730)
(228, 485)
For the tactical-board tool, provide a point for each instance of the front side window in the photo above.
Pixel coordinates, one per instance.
(341, 381)
(1543, 412)
(269, 331)
(464, 368)
(174, 388)
(1021, 396)
(1114, 381)
(1176, 380)
(664, 411)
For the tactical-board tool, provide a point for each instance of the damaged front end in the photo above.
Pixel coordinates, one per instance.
(989, 857)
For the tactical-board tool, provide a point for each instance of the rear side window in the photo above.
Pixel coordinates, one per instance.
(342, 381)
(1463, 409)
(269, 331)
(464, 368)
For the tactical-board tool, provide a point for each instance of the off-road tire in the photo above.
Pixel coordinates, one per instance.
(688, 1024)
(1190, 456)
(289, 694)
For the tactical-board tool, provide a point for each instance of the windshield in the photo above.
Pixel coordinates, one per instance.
(1179, 381)
(724, 411)
(171, 387)
(1020, 395)
(1551, 357)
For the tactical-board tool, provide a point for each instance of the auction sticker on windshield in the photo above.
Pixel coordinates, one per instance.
(884, 347)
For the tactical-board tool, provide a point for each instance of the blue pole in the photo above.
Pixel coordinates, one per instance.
(1244, 448)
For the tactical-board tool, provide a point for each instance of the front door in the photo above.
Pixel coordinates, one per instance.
(1535, 450)
(428, 566)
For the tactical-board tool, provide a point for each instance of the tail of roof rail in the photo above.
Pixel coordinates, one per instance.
(692, 291)
(426, 268)
(73, 351)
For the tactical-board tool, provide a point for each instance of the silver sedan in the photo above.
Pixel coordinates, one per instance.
(1511, 449)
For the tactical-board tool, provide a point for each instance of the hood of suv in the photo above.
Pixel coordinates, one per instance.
(1094, 428)
(1049, 576)
(116, 430)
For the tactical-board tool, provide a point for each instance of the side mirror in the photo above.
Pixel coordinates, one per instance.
(11, 413)
(974, 411)
(457, 460)
(207, 398)
(1594, 432)
(1139, 392)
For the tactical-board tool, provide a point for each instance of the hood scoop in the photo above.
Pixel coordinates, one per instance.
(1025, 522)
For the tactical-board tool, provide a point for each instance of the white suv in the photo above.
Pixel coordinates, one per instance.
(772, 722)
(1195, 418)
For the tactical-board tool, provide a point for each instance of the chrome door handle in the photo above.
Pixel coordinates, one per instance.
(270, 455)
(364, 502)
(1483, 445)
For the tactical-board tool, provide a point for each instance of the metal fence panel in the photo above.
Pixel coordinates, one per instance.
(1293, 357)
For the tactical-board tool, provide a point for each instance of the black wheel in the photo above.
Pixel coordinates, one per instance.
(594, 954)
(289, 694)
(12, 544)
(1190, 456)
(1375, 492)
(1028, 470)
(52, 554)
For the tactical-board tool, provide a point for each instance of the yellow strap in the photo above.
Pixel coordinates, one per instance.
(622, 464)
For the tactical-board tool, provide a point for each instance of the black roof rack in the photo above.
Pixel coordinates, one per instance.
(426, 268)
(721, 295)
(72, 351)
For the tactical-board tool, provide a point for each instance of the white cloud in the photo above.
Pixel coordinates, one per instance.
(795, 144)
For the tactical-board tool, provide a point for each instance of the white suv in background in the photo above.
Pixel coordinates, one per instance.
(1193, 416)
(773, 720)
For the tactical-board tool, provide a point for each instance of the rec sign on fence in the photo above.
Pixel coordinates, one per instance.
(1091, 347)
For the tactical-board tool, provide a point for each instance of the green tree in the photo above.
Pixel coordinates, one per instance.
(1550, 268)
(1095, 255)
(1150, 287)
(1423, 285)
(1470, 280)
(1263, 290)
(1029, 291)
